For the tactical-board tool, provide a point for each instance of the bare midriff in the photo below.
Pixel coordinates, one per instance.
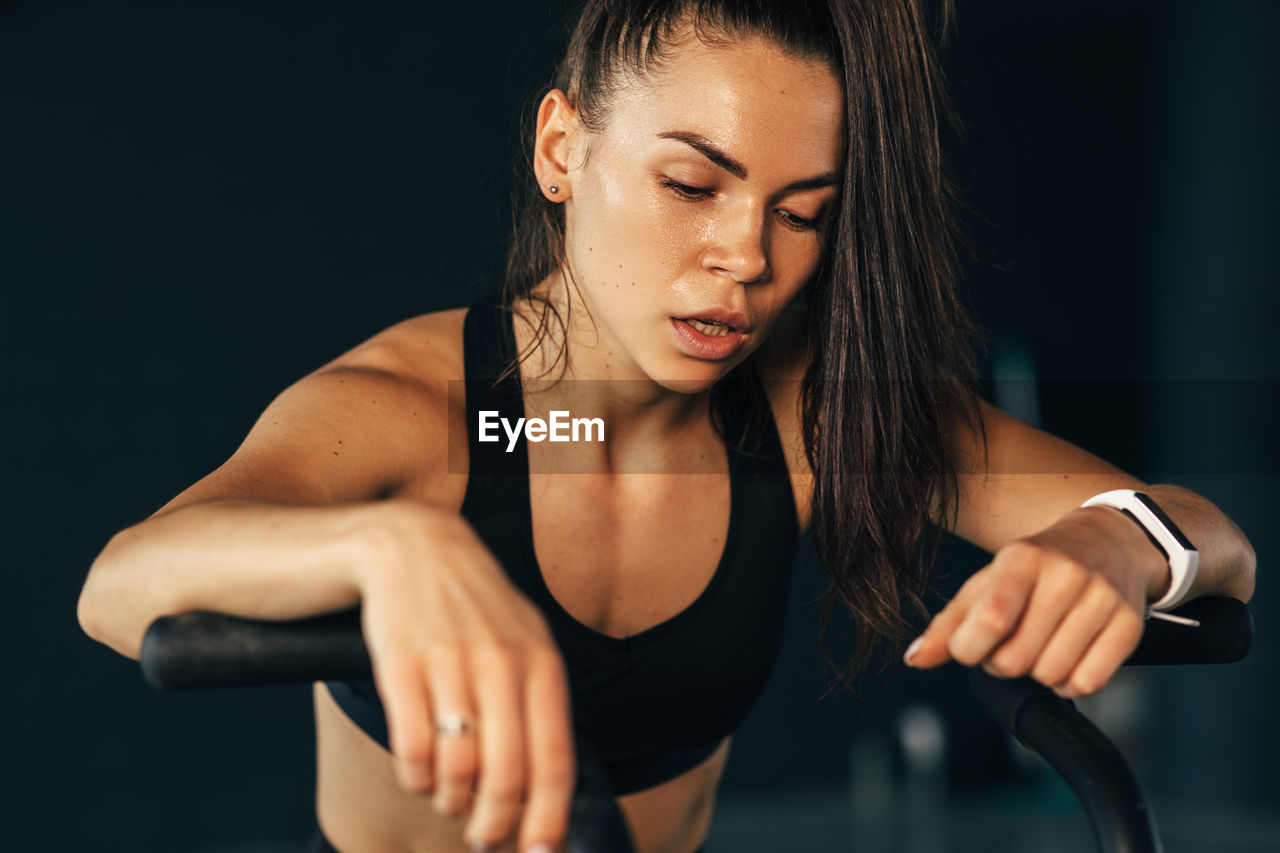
(362, 808)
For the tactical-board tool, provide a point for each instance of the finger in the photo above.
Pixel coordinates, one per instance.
(552, 764)
(456, 755)
(410, 733)
(498, 691)
(1057, 591)
(1080, 627)
(1105, 655)
(997, 612)
(930, 649)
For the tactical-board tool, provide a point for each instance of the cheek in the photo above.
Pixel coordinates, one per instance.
(678, 231)
(626, 232)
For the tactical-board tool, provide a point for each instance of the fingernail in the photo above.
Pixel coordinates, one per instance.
(539, 848)
(912, 649)
(482, 847)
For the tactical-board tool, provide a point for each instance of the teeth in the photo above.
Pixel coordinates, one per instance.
(715, 330)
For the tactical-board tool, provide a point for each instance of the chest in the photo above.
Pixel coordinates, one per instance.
(624, 553)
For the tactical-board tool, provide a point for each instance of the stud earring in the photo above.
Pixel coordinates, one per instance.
(554, 189)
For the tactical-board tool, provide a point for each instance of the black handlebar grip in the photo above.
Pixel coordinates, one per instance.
(1225, 635)
(202, 649)
(596, 823)
(1050, 726)
(197, 650)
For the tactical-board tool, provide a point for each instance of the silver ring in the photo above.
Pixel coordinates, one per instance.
(454, 725)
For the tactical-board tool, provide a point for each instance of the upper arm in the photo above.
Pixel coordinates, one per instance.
(355, 430)
(1026, 481)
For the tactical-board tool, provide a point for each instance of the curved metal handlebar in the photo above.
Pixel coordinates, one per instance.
(200, 650)
(1052, 727)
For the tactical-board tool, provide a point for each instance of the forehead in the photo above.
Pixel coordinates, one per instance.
(748, 96)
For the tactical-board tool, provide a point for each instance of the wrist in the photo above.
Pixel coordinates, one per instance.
(1180, 554)
(397, 535)
(1145, 554)
(380, 542)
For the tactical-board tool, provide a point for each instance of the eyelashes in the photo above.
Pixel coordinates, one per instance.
(685, 190)
(688, 193)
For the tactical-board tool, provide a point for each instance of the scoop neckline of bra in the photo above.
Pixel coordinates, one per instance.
(530, 554)
(653, 631)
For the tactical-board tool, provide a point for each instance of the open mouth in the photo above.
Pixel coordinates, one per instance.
(710, 327)
(708, 339)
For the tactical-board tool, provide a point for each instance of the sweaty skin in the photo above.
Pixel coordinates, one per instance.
(743, 124)
(641, 253)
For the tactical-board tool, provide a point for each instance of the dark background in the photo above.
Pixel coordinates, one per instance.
(202, 202)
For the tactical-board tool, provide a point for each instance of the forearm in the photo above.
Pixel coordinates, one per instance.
(247, 558)
(1227, 560)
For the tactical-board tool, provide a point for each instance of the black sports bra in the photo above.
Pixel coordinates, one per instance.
(659, 702)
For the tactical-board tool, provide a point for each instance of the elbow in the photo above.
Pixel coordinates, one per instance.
(93, 609)
(1245, 566)
(89, 613)
(1247, 572)
(86, 615)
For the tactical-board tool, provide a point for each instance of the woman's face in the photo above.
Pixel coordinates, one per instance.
(706, 196)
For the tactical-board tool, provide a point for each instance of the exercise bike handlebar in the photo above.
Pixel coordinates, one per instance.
(1052, 727)
(203, 650)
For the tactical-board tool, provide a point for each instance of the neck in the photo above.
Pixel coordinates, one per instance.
(641, 416)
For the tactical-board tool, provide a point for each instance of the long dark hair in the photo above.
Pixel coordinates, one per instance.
(890, 344)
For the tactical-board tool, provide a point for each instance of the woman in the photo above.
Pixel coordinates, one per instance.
(698, 166)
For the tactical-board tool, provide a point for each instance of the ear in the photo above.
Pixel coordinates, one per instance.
(557, 135)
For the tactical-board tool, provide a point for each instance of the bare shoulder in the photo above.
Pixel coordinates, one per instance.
(372, 423)
(781, 362)
(424, 350)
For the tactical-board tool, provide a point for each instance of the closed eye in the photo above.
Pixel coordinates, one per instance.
(795, 223)
(686, 190)
(799, 223)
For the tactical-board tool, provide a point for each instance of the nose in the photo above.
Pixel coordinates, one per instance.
(738, 245)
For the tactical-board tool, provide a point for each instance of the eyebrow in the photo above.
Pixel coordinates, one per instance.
(716, 155)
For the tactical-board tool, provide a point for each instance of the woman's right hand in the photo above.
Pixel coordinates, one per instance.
(449, 634)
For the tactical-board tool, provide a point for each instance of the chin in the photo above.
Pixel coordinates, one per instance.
(686, 386)
(690, 377)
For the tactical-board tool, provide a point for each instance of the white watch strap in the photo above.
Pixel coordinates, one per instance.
(1183, 558)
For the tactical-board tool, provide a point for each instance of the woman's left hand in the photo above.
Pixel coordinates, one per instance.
(1065, 605)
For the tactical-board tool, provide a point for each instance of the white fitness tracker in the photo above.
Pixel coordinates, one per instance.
(1183, 558)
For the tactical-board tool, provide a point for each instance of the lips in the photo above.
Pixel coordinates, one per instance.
(718, 344)
(716, 315)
